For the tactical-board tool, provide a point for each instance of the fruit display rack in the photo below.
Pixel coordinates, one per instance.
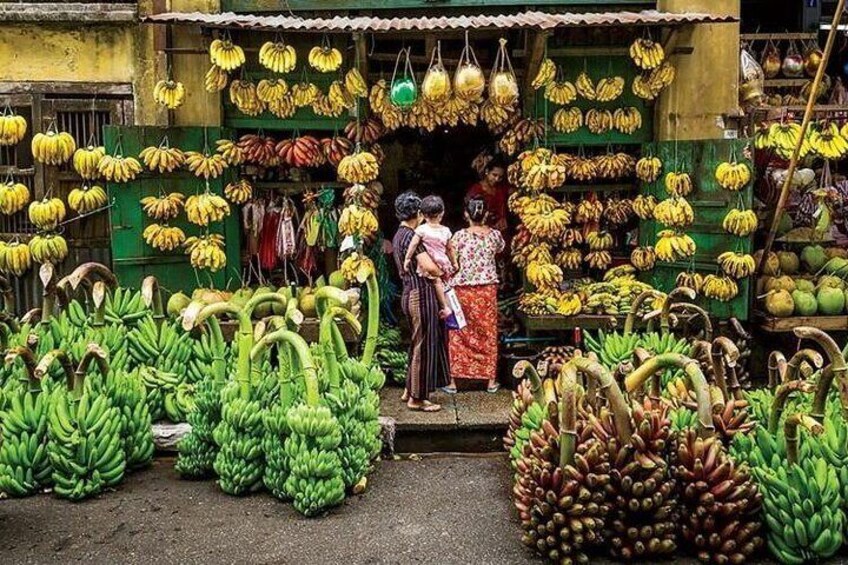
(772, 324)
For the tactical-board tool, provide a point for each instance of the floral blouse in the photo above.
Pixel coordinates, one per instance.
(475, 254)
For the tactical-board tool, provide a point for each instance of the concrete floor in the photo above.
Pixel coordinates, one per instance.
(445, 509)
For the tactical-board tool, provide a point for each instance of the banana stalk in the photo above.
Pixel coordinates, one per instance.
(838, 368)
(326, 297)
(697, 382)
(526, 369)
(630, 320)
(781, 397)
(568, 414)
(776, 369)
(723, 351)
(594, 371)
(152, 296)
(790, 433)
(373, 319)
(673, 296)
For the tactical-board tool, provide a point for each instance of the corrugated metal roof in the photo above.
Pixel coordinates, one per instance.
(528, 19)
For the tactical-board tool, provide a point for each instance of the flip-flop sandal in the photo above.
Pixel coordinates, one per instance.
(425, 407)
(494, 388)
(448, 390)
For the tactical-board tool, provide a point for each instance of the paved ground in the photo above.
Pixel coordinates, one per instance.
(467, 410)
(440, 510)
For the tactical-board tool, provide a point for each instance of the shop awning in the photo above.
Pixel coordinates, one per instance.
(348, 24)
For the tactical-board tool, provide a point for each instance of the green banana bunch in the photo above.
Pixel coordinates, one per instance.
(240, 462)
(683, 419)
(391, 355)
(357, 415)
(158, 384)
(197, 450)
(84, 435)
(802, 507)
(124, 306)
(179, 402)
(24, 463)
(614, 348)
(276, 424)
(75, 314)
(163, 345)
(531, 421)
(657, 344)
(205, 350)
(129, 397)
(315, 482)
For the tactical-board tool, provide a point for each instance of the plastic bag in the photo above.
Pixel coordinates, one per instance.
(750, 79)
(771, 60)
(503, 86)
(468, 80)
(793, 63)
(436, 86)
(404, 90)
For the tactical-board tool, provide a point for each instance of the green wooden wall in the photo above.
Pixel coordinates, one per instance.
(132, 258)
(710, 203)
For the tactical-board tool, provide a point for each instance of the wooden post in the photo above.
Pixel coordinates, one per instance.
(805, 123)
(537, 40)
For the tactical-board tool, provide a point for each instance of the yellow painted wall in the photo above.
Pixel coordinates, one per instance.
(706, 86)
(63, 53)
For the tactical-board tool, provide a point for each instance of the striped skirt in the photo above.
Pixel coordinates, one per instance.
(428, 363)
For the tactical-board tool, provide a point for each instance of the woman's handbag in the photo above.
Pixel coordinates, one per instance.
(456, 321)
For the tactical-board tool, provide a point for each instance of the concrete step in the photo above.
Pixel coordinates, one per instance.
(469, 422)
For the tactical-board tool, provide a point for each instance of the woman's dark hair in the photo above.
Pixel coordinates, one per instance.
(407, 206)
(476, 209)
(432, 206)
(495, 163)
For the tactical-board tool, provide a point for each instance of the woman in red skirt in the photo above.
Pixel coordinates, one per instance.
(473, 350)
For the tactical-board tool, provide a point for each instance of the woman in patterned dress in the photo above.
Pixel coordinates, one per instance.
(474, 349)
(428, 361)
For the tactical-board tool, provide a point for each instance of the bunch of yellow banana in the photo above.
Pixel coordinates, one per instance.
(598, 259)
(688, 279)
(537, 204)
(304, 94)
(278, 57)
(648, 169)
(163, 158)
(783, 136)
(359, 168)
(541, 169)
(569, 259)
(647, 54)
(47, 213)
(163, 237)
(169, 93)
(495, 115)
(582, 169)
(534, 304)
(618, 211)
(599, 241)
(614, 165)
(828, 142)
(585, 87)
(206, 252)
(86, 159)
(544, 275)
(733, 176)
(53, 147)
(225, 54)
(15, 258)
(627, 120)
(609, 88)
(740, 222)
(678, 183)
(205, 165)
(568, 120)
(163, 207)
(568, 304)
(325, 59)
(598, 121)
(232, 153)
(548, 226)
(588, 211)
(540, 253)
(340, 96)
(239, 192)
(283, 108)
(357, 220)
(322, 106)
(644, 206)
(356, 268)
(206, 207)
(215, 79)
(378, 97)
(571, 237)
(355, 83)
(643, 258)
(546, 74)
(116, 168)
(674, 212)
(672, 246)
(13, 128)
(48, 248)
(87, 199)
(561, 92)
(720, 288)
(271, 90)
(650, 85)
(737, 265)
(14, 196)
(243, 95)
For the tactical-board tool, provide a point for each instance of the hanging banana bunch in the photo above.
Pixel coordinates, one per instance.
(205, 165)
(84, 200)
(14, 196)
(647, 54)
(325, 58)
(225, 54)
(13, 127)
(86, 161)
(162, 158)
(545, 75)
(215, 79)
(53, 147)
(568, 120)
(277, 56)
(47, 213)
(169, 93)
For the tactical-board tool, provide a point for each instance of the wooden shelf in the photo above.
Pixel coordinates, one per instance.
(770, 324)
(785, 82)
(553, 322)
(820, 108)
(291, 186)
(778, 36)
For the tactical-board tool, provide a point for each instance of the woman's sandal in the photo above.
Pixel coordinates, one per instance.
(494, 388)
(448, 390)
(425, 406)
